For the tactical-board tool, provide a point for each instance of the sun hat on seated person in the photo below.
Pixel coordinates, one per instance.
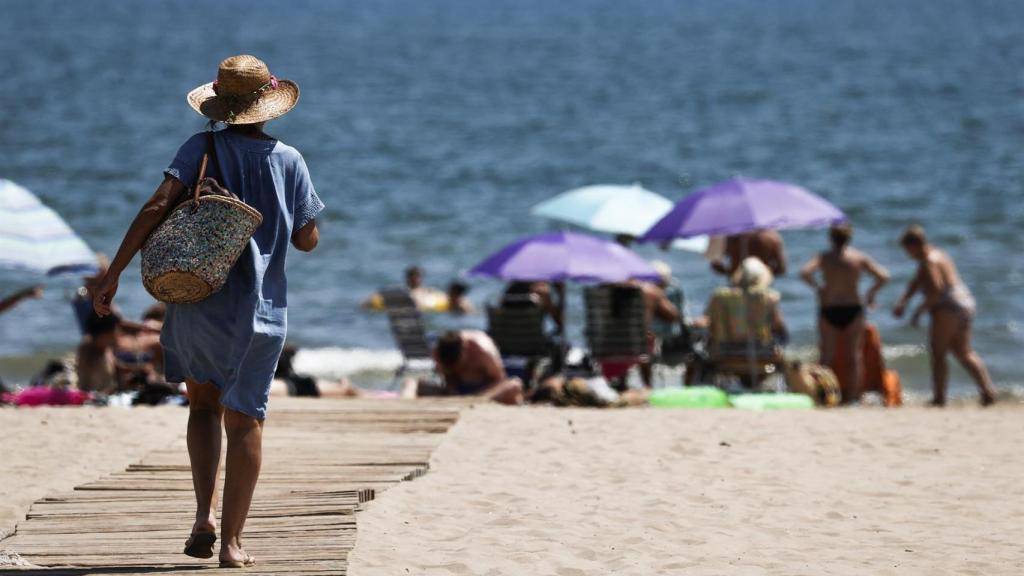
(245, 92)
(752, 273)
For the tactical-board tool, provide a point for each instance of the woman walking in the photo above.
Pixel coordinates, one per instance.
(225, 348)
(841, 316)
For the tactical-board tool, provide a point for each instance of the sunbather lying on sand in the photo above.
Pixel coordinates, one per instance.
(470, 365)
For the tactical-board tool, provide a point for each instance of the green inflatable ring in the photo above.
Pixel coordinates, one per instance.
(691, 397)
(783, 401)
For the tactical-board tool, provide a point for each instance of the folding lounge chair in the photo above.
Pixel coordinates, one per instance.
(734, 316)
(616, 328)
(408, 329)
(517, 328)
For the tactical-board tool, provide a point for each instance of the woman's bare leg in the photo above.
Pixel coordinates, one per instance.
(245, 454)
(853, 351)
(973, 363)
(824, 340)
(203, 438)
(940, 334)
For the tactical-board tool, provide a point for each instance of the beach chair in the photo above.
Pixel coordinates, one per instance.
(517, 328)
(408, 329)
(616, 328)
(737, 320)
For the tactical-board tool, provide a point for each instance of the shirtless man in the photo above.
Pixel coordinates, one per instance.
(470, 365)
(657, 309)
(95, 364)
(841, 310)
(765, 245)
(951, 306)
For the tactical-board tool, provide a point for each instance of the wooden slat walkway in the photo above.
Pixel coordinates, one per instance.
(321, 460)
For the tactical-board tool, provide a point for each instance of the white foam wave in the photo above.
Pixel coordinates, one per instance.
(336, 362)
(903, 351)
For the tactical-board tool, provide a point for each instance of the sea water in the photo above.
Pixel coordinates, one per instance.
(430, 128)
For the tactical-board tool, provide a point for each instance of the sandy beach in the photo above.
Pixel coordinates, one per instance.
(646, 491)
(46, 451)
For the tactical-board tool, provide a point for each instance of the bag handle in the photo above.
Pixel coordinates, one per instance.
(211, 151)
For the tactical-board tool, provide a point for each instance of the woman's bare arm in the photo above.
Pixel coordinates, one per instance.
(912, 288)
(807, 273)
(307, 237)
(151, 215)
(881, 276)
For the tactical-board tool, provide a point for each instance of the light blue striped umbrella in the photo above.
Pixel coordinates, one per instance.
(612, 209)
(34, 237)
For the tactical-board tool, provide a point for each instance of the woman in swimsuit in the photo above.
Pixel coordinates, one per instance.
(841, 312)
(951, 307)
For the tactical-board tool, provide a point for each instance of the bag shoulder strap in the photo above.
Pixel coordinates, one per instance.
(210, 151)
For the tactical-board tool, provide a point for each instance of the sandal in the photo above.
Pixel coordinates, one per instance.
(200, 545)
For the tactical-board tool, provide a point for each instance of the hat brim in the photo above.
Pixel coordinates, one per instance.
(271, 104)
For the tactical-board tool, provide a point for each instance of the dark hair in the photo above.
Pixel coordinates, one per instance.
(449, 348)
(840, 235)
(519, 287)
(913, 236)
(413, 271)
(98, 325)
(458, 288)
(157, 311)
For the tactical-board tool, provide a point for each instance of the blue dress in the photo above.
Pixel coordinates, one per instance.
(234, 338)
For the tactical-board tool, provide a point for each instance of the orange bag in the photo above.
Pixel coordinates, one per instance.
(876, 377)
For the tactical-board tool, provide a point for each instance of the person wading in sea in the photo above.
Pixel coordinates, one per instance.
(951, 306)
(841, 311)
(225, 348)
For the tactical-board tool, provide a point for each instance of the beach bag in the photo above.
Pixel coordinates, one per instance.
(814, 380)
(189, 255)
(877, 378)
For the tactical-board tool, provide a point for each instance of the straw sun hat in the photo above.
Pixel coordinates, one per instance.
(245, 92)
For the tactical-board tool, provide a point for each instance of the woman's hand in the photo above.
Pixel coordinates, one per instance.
(899, 308)
(103, 295)
(210, 187)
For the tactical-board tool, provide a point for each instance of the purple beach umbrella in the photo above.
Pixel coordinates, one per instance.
(744, 205)
(560, 256)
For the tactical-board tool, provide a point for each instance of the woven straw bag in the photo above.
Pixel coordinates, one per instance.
(189, 255)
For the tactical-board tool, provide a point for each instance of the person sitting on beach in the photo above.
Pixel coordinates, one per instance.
(665, 304)
(137, 350)
(20, 296)
(458, 303)
(661, 315)
(952, 308)
(765, 245)
(426, 299)
(470, 365)
(550, 298)
(841, 318)
(95, 364)
(81, 301)
(747, 308)
(594, 392)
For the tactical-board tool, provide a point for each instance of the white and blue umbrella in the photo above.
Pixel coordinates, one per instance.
(34, 237)
(612, 209)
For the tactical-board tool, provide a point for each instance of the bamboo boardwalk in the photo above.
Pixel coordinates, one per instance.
(322, 459)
